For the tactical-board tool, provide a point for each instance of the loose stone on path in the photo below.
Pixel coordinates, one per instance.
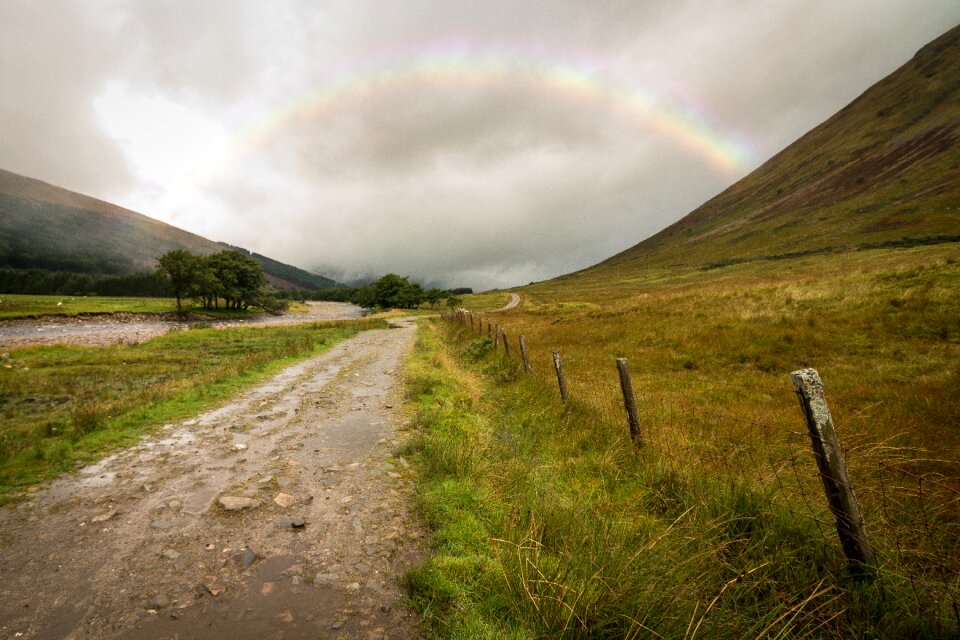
(237, 503)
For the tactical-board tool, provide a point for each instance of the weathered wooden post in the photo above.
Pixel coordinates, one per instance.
(496, 335)
(506, 342)
(471, 321)
(523, 354)
(833, 469)
(561, 380)
(629, 402)
(489, 328)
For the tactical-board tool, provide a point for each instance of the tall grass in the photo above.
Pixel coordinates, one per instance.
(717, 528)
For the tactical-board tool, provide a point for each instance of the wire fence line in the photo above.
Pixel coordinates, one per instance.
(909, 516)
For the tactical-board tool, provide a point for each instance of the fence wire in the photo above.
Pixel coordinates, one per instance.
(912, 516)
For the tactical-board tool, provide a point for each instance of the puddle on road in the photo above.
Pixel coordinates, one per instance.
(161, 494)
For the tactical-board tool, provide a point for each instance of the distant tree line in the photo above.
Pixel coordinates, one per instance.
(68, 283)
(231, 276)
(389, 292)
(224, 280)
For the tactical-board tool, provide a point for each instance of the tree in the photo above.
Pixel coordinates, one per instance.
(240, 277)
(389, 292)
(231, 275)
(206, 285)
(411, 296)
(179, 267)
(433, 296)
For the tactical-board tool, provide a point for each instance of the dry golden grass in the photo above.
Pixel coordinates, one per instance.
(711, 353)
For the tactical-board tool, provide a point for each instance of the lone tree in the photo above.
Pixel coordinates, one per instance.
(180, 268)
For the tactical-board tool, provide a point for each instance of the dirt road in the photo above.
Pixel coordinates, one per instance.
(101, 330)
(145, 544)
(512, 303)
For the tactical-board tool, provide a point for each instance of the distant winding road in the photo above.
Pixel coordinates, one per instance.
(514, 301)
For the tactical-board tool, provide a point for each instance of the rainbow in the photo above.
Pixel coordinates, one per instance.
(459, 63)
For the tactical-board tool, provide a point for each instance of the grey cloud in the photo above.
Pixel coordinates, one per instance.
(53, 60)
(471, 183)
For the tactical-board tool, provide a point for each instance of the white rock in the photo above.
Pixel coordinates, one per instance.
(237, 503)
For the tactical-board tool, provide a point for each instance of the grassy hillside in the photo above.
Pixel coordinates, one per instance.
(549, 522)
(45, 227)
(884, 168)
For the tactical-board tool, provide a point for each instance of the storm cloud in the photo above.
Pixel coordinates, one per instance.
(464, 144)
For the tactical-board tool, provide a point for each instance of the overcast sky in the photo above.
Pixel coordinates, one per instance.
(474, 143)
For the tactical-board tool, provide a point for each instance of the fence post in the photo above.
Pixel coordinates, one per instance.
(561, 380)
(833, 469)
(523, 354)
(471, 321)
(489, 328)
(629, 402)
(506, 342)
(496, 335)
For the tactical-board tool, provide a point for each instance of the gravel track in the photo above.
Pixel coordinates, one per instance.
(140, 546)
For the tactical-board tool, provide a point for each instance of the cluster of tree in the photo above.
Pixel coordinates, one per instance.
(396, 292)
(389, 292)
(46, 282)
(232, 276)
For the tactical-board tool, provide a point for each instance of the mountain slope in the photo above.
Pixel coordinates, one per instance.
(883, 170)
(46, 227)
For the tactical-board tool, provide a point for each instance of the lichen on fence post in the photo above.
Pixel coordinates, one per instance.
(523, 354)
(630, 402)
(833, 469)
(561, 380)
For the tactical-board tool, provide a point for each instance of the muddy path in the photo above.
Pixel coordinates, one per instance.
(99, 330)
(146, 543)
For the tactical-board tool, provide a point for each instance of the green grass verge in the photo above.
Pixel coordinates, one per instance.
(24, 306)
(61, 404)
(20, 306)
(487, 301)
(548, 523)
